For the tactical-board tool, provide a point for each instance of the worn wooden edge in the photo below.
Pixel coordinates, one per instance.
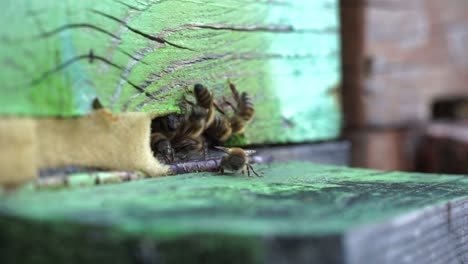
(431, 211)
(99, 244)
(433, 234)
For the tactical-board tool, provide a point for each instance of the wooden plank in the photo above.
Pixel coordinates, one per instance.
(140, 55)
(298, 212)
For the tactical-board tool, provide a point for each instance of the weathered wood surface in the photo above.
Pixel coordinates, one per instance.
(140, 55)
(297, 213)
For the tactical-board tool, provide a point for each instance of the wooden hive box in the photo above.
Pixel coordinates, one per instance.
(137, 57)
(140, 56)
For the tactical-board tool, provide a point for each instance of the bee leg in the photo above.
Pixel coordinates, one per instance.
(219, 108)
(243, 171)
(256, 174)
(230, 104)
(248, 171)
(187, 90)
(187, 101)
(205, 150)
(245, 168)
(234, 91)
(172, 156)
(221, 170)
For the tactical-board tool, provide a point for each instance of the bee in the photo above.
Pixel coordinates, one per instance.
(220, 130)
(235, 160)
(194, 124)
(245, 108)
(243, 112)
(164, 129)
(168, 125)
(188, 138)
(188, 145)
(204, 99)
(161, 144)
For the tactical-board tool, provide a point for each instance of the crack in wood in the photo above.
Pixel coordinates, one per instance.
(248, 28)
(131, 56)
(119, 32)
(182, 64)
(90, 56)
(179, 65)
(129, 6)
(192, 82)
(77, 25)
(255, 28)
(168, 70)
(143, 34)
(126, 72)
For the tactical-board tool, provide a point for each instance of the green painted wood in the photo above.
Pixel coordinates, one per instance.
(298, 211)
(286, 54)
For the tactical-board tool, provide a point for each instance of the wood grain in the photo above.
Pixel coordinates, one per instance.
(140, 56)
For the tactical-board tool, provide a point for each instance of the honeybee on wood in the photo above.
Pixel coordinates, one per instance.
(188, 138)
(220, 130)
(188, 145)
(243, 112)
(168, 125)
(235, 160)
(245, 107)
(163, 130)
(194, 124)
(162, 145)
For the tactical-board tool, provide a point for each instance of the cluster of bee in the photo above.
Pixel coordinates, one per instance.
(205, 123)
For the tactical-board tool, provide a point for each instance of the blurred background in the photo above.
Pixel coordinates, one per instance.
(404, 86)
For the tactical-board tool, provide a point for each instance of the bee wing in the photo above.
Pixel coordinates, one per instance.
(226, 150)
